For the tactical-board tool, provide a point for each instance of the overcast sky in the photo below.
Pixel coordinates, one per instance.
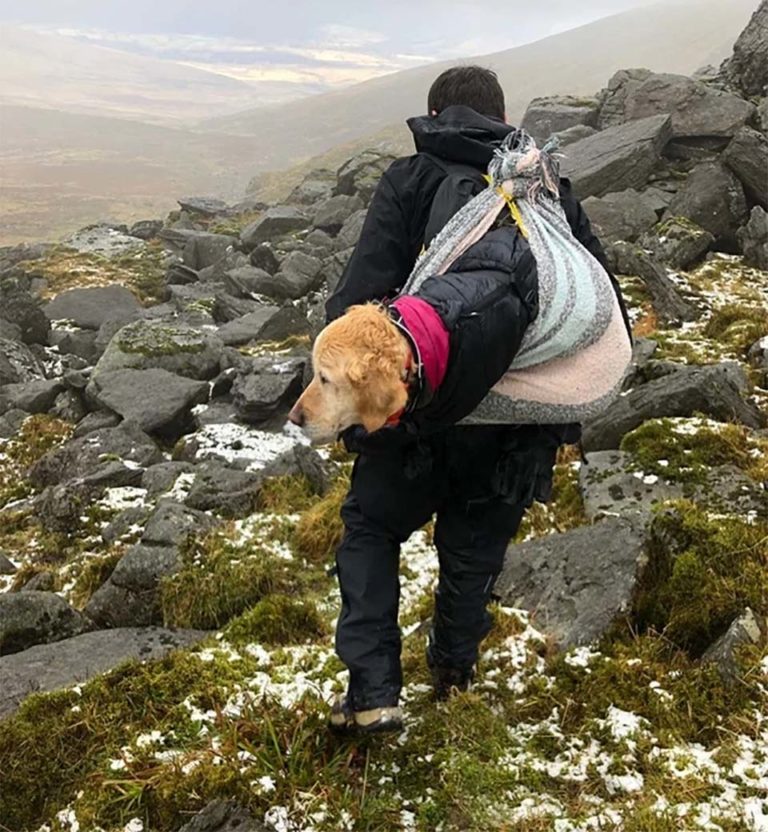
(328, 43)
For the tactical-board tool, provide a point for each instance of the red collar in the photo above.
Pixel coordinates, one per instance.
(394, 418)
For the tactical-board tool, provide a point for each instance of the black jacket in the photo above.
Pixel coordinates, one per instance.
(486, 316)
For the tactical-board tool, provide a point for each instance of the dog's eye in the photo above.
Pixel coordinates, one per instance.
(323, 379)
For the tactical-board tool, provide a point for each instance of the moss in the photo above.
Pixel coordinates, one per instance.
(142, 271)
(232, 226)
(702, 573)
(565, 510)
(38, 435)
(164, 339)
(320, 529)
(93, 574)
(278, 619)
(737, 325)
(690, 453)
(286, 495)
(218, 580)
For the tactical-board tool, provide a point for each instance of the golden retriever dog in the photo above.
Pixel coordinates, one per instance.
(361, 365)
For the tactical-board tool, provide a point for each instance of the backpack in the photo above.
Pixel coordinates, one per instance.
(460, 184)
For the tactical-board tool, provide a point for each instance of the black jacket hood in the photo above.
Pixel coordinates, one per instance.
(459, 134)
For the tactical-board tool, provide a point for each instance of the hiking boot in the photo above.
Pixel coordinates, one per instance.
(449, 680)
(344, 720)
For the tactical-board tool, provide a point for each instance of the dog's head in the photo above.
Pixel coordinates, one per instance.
(359, 362)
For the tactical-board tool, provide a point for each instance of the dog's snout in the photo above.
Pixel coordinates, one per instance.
(297, 415)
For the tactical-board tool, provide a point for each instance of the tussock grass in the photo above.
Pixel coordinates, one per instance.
(320, 529)
(278, 619)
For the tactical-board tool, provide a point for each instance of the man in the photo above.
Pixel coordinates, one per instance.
(478, 480)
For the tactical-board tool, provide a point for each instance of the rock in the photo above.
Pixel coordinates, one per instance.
(747, 157)
(747, 68)
(713, 390)
(275, 222)
(104, 240)
(298, 275)
(728, 490)
(172, 524)
(758, 354)
(6, 565)
(167, 345)
(696, 109)
(713, 198)
(125, 524)
(677, 242)
(613, 97)
(574, 134)
(611, 488)
(146, 229)
(60, 507)
(129, 598)
(158, 401)
(762, 115)
(40, 582)
(28, 618)
(316, 186)
(259, 395)
(361, 174)
(9, 331)
(224, 490)
(553, 114)
(263, 257)
(229, 308)
(669, 305)
(93, 452)
(90, 308)
(223, 816)
(269, 323)
(95, 421)
(347, 238)
(69, 407)
(578, 582)
(11, 422)
(31, 396)
(620, 216)
(178, 274)
(247, 281)
(743, 630)
(331, 214)
(160, 478)
(79, 342)
(753, 239)
(25, 312)
(18, 363)
(205, 205)
(204, 249)
(618, 158)
(74, 660)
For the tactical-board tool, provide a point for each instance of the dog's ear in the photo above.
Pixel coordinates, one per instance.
(377, 405)
(359, 368)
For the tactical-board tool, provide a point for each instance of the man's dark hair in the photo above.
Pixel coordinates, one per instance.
(472, 86)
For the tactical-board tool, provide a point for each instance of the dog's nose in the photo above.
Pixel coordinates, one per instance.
(297, 415)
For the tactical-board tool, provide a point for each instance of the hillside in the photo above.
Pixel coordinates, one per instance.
(108, 82)
(58, 170)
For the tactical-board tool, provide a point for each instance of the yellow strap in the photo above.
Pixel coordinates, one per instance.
(514, 210)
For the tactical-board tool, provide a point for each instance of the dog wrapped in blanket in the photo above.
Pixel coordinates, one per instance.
(505, 319)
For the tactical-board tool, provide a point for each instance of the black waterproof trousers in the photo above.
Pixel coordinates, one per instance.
(478, 480)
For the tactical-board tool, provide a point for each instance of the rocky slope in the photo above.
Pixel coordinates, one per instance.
(164, 539)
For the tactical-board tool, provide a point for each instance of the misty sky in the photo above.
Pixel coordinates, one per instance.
(315, 43)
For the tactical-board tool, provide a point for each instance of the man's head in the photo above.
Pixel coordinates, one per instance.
(472, 86)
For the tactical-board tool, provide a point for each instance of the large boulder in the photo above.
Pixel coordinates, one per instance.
(87, 455)
(104, 240)
(677, 243)
(203, 249)
(331, 214)
(158, 401)
(713, 198)
(274, 223)
(624, 215)
(613, 98)
(578, 582)
(28, 618)
(130, 597)
(49, 667)
(316, 186)
(32, 396)
(26, 313)
(747, 69)
(753, 239)
(553, 114)
(298, 275)
(90, 308)
(617, 158)
(695, 108)
(716, 390)
(172, 524)
(747, 157)
(205, 205)
(167, 345)
(268, 323)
